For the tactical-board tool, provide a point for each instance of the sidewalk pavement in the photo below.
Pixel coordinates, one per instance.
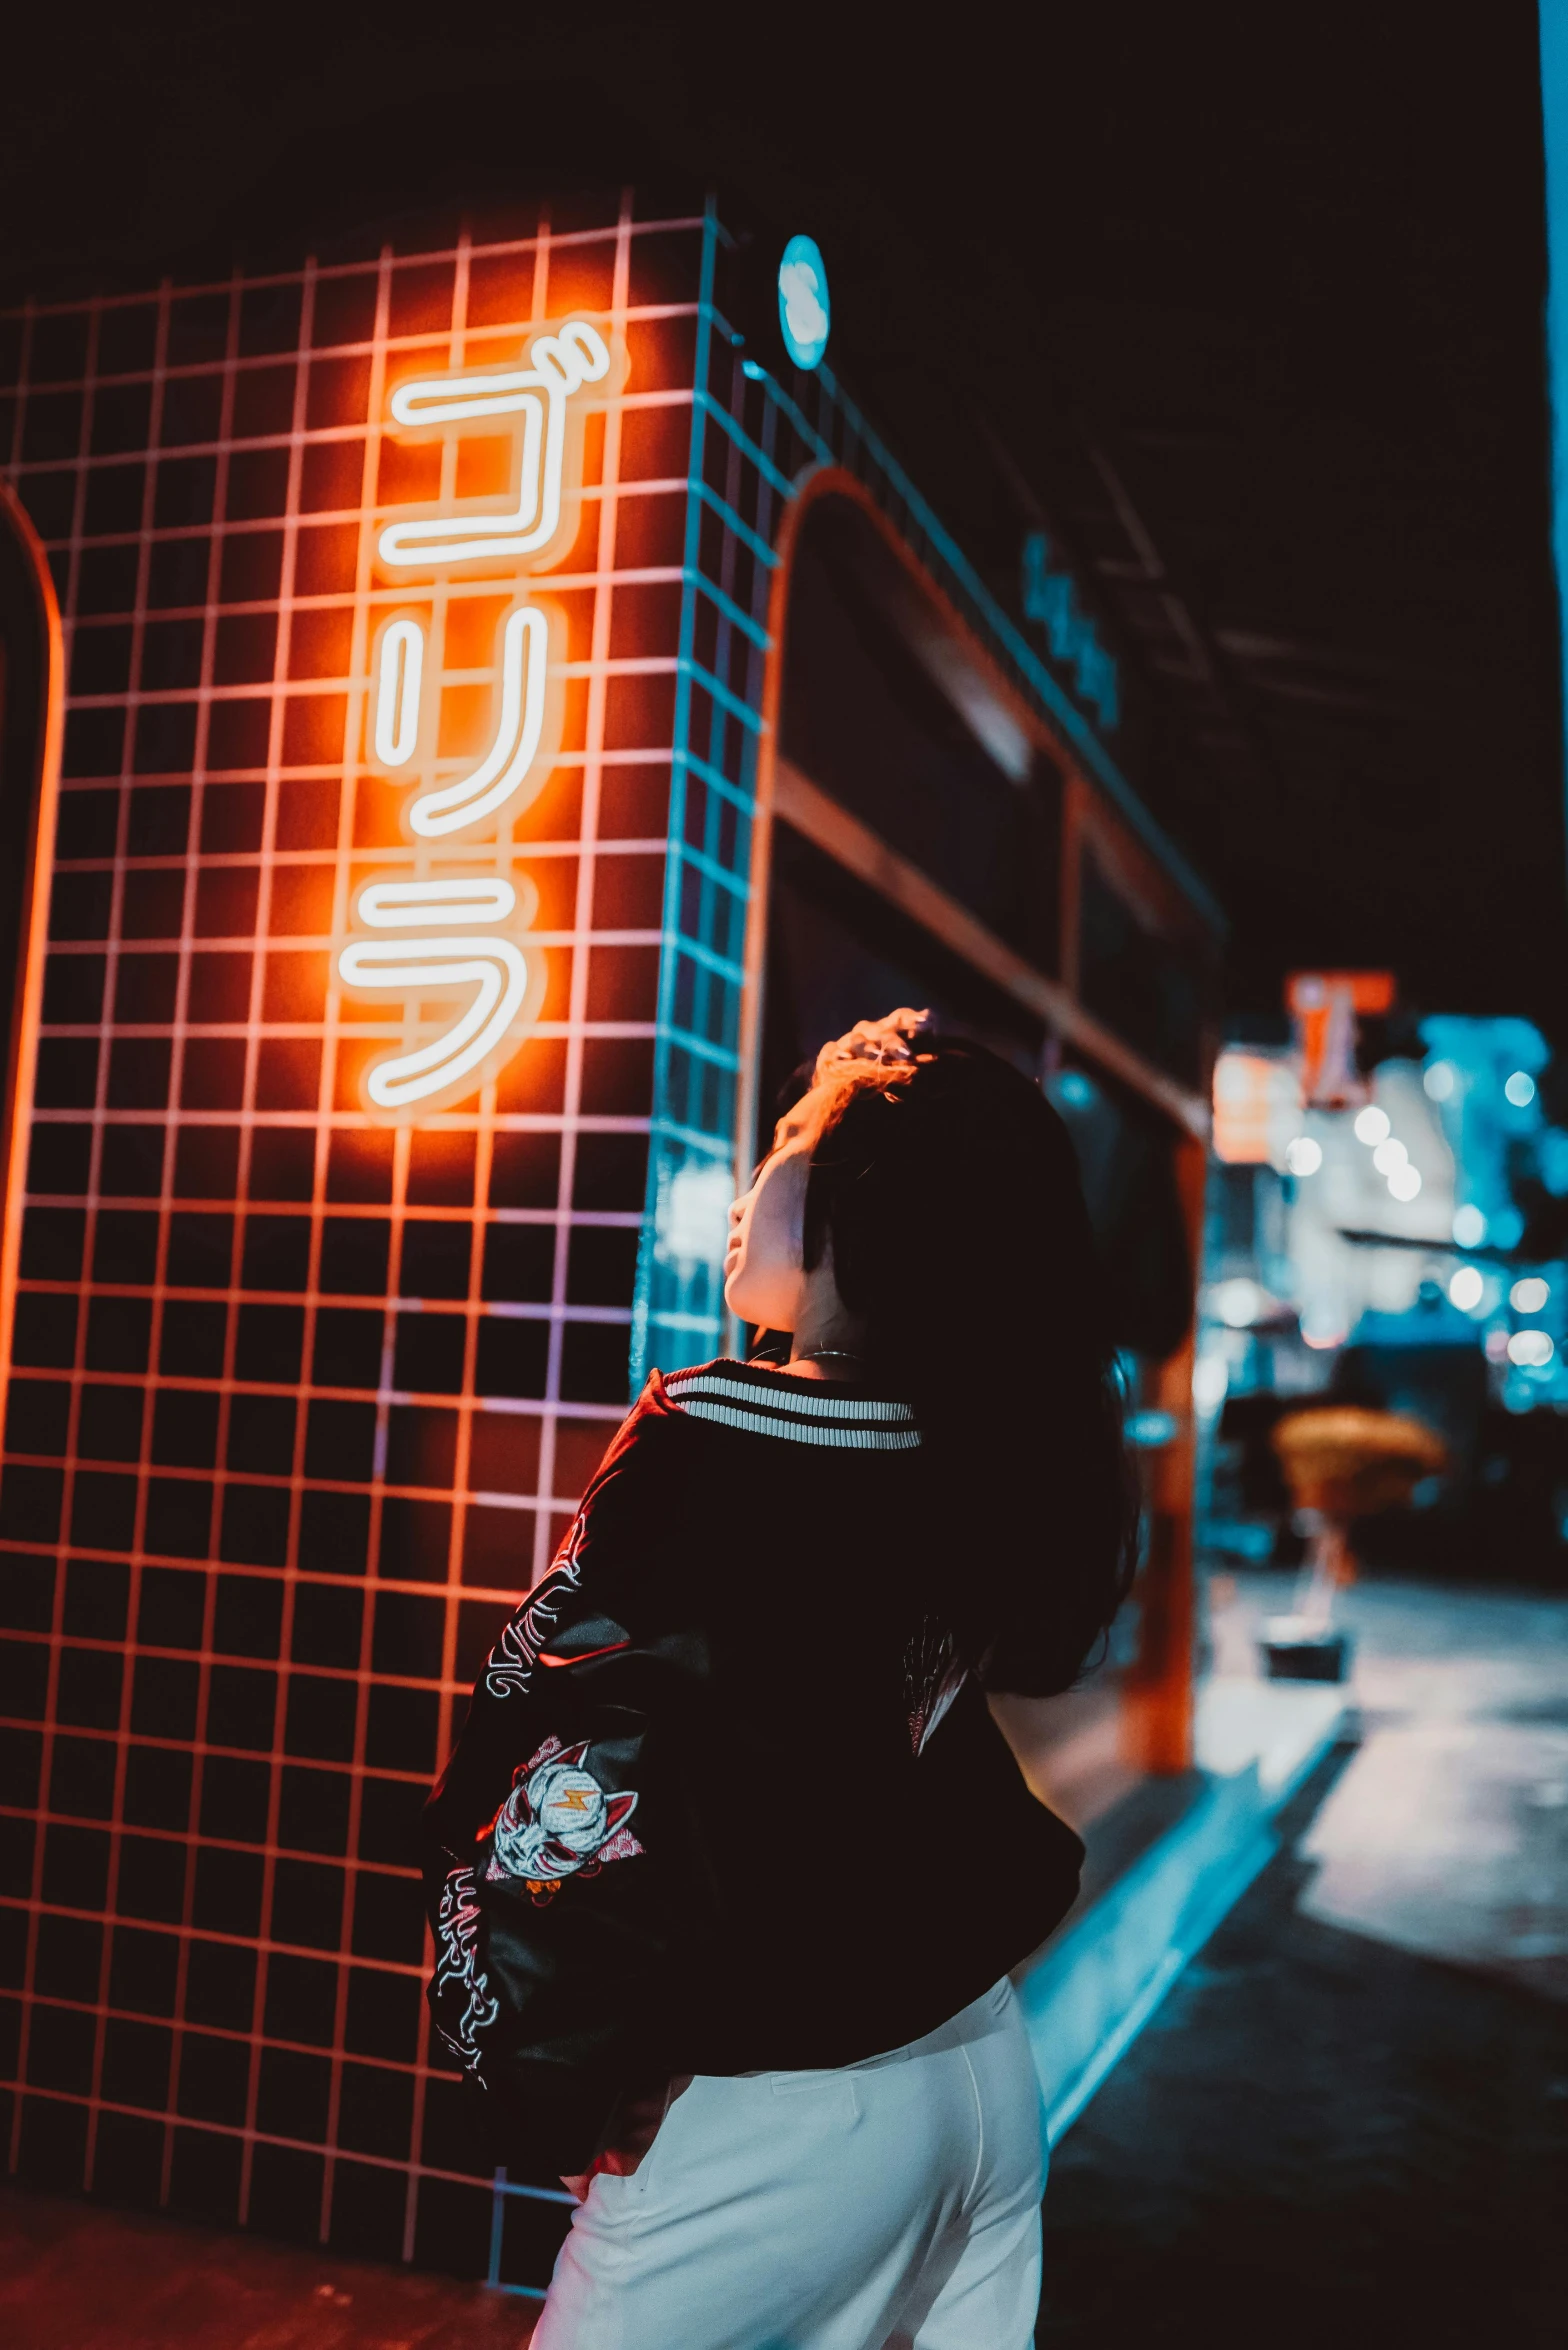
(74, 2276)
(1349, 2121)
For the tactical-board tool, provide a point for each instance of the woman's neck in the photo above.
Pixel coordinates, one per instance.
(827, 1342)
(824, 1363)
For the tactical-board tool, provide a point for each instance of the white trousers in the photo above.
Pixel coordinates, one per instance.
(891, 2205)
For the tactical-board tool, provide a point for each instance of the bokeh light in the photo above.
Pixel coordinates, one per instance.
(1238, 1302)
(1466, 1289)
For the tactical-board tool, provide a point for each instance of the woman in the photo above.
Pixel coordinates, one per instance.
(731, 1861)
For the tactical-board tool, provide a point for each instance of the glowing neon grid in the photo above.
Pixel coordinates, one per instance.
(299, 1402)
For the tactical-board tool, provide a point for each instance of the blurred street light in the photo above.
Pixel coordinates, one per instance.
(1238, 1302)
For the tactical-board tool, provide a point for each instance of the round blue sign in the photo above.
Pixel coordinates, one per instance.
(805, 312)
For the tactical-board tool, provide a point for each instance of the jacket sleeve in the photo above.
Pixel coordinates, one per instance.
(541, 1934)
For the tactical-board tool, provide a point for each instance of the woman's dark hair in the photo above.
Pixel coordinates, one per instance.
(949, 1190)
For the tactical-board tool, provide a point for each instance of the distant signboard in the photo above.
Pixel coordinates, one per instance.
(1051, 598)
(1257, 1108)
(1324, 1006)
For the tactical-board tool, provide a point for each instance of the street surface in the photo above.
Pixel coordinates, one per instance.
(1348, 2123)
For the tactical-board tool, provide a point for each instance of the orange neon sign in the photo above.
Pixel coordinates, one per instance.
(443, 948)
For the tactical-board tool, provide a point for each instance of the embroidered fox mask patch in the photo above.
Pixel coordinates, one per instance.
(559, 1822)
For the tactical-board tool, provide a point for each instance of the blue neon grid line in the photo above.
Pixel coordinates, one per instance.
(678, 1314)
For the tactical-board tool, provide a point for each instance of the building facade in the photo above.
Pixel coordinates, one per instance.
(496, 727)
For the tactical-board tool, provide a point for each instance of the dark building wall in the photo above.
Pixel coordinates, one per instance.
(298, 1403)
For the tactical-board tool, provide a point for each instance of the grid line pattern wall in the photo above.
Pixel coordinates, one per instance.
(298, 1403)
(732, 516)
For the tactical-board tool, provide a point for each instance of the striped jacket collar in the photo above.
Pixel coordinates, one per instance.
(761, 1402)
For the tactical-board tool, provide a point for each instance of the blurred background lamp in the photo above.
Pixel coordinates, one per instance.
(1469, 1226)
(1404, 1182)
(1528, 1296)
(1322, 1329)
(1389, 1155)
(1210, 1378)
(1520, 1089)
(1303, 1156)
(1466, 1289)
(805, 311)
(1532, 1350)
(694, 1211)
(1439, 1082)
(1238, 1302)
(1372, 1124)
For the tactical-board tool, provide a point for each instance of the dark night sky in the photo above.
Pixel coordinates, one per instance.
(1247, 305)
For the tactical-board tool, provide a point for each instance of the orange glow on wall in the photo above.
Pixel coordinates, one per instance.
(470, 993)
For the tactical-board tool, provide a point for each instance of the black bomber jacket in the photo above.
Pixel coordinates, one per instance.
(722, 1802)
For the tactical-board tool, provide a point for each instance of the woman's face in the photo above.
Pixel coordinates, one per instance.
(763, 1273)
